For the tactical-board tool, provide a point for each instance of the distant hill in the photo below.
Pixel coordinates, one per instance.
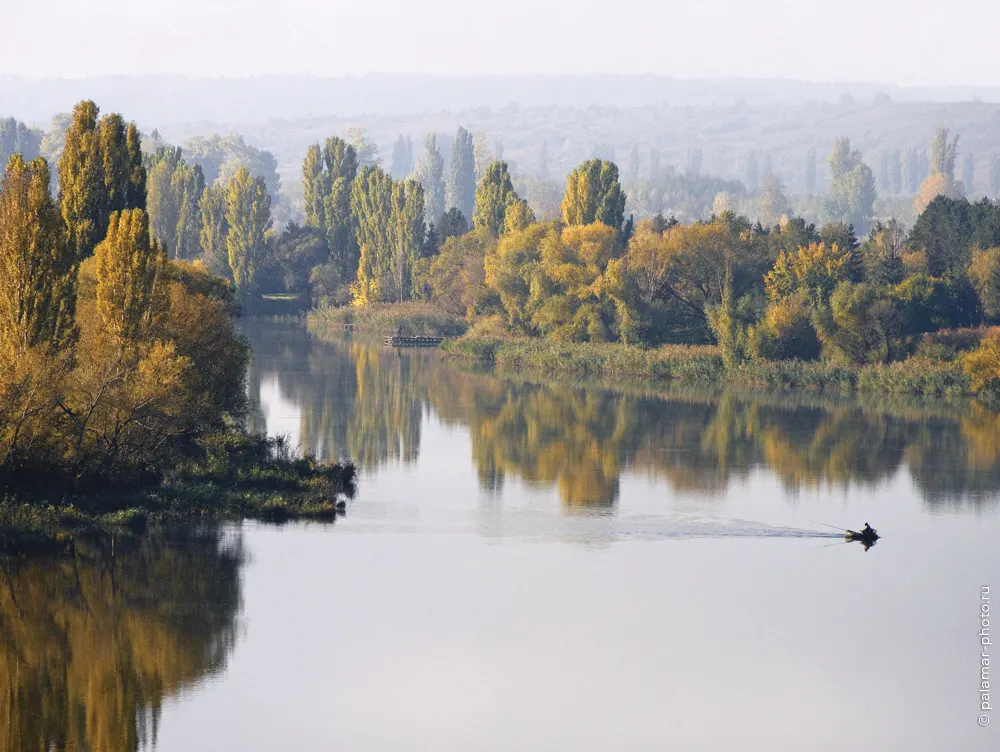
(167, 99)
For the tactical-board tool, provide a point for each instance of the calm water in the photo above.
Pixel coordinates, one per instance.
(533, 565)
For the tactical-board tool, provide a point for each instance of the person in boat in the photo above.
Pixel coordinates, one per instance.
(867, 531)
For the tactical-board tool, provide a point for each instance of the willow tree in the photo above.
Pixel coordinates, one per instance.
(100, 172)
(594, 194)
(248, 214)
(128, 265)
(37, 268)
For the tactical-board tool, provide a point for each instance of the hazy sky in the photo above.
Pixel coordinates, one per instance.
(894, 41)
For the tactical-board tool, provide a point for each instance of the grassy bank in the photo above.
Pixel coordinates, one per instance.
(230, 477)
(703, 366)
(409, 319)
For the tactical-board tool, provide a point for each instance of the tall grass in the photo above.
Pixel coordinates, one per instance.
(408, 319)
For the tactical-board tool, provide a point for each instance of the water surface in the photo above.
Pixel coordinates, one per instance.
(541, 565)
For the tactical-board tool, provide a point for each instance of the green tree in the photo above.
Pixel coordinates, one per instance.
(593, 194)
(494, 197)
(37, 267)
(431, 177)
(173, 192)
(852, 187)
(248, 214)
(461, 188)
(18, 138)
(215, 230)
(402, 158)
(128, 264)
(313, 175)
(388, 218)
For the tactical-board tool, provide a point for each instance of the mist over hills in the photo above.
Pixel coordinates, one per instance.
(170, 99)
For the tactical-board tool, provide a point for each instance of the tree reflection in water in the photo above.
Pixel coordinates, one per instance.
(93, 641)
(367, 402)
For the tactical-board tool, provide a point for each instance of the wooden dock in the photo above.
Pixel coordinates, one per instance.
(396, 340)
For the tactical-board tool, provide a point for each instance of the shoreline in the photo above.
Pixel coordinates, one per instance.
(237, 477)
(702, 366)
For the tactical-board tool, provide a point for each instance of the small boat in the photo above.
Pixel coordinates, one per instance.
(867, 534)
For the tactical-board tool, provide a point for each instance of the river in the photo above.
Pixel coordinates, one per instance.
(536, 564)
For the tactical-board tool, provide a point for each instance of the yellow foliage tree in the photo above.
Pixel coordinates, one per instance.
(128, 264)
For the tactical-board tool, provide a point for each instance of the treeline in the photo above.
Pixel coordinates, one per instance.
(791, 290)
(112, 357)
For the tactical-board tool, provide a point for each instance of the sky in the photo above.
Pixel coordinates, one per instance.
(905, 42)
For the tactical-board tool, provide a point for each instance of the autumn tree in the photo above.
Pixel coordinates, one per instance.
(593, 194)
(941, 180)
(461, 188)
(248, 215)
(37, 267)
(100, 171)
(128, 264)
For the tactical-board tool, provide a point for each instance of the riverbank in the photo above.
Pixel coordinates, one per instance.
(703, 366)
(230, 477)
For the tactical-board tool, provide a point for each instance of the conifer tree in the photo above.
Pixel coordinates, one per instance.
(128, 265)
(37, 267)
(248, 214)
(593, 194)
(462, 174)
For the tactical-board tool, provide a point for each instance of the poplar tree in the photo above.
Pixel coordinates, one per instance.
(248, 214)
(593, 194)
(402, 158)
(174, 189)
(81, 181)
(388, 219)
(314, 189)
(17, 138)
(494, 197)
(431, 178)
(37, 267)
(327, 176)
(128, 264)
(462, 174)
(215, 230)
(100, 172)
